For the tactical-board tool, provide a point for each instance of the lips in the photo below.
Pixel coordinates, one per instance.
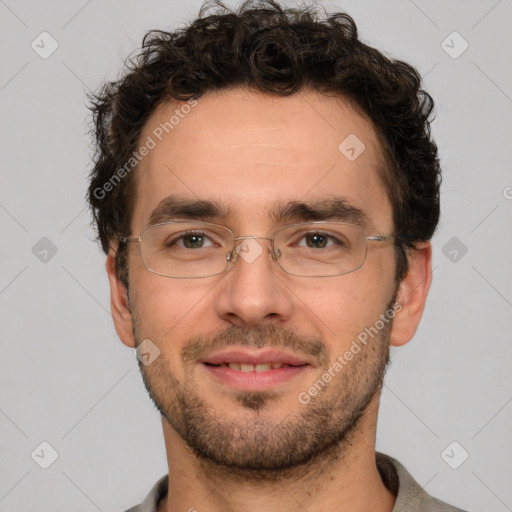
(251, 361)
(260, 367)
(253, 370)
(274, 358)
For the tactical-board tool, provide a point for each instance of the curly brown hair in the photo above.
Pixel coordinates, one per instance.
(265, 47)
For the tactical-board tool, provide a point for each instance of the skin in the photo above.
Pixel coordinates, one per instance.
(249, 151)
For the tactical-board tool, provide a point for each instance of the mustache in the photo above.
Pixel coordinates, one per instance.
(268, 336)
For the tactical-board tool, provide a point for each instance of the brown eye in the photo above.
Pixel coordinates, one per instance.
(316, 240)
(184, 240)
(193, 241)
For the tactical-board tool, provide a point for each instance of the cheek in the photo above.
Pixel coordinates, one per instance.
(167, 309)
(345, 306)
(164, 313)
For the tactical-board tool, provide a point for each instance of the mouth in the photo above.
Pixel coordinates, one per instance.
(254, 370)
(248, 367)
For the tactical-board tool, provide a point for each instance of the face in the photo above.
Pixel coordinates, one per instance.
(250, 156)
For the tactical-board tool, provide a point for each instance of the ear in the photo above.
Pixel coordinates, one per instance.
(119, 302)
(412, 294)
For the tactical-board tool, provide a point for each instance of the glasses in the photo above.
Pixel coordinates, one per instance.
(184, 249)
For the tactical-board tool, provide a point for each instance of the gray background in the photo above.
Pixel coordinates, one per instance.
(65, 377)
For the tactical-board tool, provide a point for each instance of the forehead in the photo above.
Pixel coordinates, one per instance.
(250, 152)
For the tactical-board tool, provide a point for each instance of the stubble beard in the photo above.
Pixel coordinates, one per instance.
(260, 447)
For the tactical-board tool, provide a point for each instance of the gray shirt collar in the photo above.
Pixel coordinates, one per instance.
(410, 496)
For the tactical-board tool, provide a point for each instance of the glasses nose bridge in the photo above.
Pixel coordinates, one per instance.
(254, 237)
(233, 254)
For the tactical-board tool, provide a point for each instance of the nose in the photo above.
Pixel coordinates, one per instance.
(253, 291)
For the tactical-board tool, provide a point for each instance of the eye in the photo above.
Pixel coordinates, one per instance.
(318, 240)
(191, 240)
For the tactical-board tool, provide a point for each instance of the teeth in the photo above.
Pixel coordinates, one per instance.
(261, 367)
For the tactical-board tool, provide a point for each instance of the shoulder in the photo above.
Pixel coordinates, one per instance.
(410, 496)
(157, 492)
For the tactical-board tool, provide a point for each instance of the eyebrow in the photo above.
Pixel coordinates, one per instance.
(175, 208)
(331, 208)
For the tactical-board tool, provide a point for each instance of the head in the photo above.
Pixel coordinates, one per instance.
(242, 119)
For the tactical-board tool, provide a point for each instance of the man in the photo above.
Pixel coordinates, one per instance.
(265, 188)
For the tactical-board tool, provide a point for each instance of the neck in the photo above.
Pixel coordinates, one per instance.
(344, 478)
